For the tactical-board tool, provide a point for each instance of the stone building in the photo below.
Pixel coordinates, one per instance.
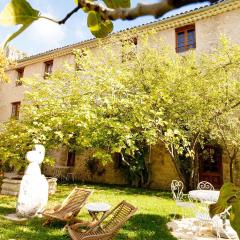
(199, 29)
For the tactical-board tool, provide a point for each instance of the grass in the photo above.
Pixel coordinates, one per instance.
(154, 210)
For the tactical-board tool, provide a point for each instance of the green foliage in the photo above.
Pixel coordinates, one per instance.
(99, 27)
(4, 64)
(135, 166)
(229, 196)
(18, 12)
(113, 106)
(19, 137)
(118, 3)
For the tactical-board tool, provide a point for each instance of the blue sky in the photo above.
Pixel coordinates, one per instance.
(44, 35)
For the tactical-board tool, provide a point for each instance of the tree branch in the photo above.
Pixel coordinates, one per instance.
(226, 109)
(69, 15)
(64, 19)
(154, 9)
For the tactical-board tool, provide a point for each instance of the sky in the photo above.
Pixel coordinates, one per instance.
(44, 35)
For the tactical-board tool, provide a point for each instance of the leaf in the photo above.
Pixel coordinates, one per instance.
(114, 3)
(99, 28)
(84, 9)
(118, 3)
(11, 37)
(18, 12)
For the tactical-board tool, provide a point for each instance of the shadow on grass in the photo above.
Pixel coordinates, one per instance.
(152, 227)
(32, 229)
(139, 227)
(6, 210)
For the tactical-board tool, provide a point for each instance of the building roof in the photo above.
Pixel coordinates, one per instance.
(164, 23)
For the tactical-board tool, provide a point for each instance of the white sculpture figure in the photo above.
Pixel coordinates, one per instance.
(33, 194)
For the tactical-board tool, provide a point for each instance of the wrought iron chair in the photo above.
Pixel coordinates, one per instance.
(107, 227)
(204, 185)
(181, 199)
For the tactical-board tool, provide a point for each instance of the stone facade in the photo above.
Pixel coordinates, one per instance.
(210, 23)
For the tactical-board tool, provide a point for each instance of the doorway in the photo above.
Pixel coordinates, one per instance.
(210, 165)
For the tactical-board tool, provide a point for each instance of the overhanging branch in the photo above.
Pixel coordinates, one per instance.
(142, 9)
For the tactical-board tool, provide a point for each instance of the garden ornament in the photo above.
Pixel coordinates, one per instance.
(33, 194)
(229, 196)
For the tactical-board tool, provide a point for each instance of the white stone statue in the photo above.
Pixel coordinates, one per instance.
(33, 194)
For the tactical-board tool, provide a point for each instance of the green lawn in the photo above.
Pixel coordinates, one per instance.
(154, 210)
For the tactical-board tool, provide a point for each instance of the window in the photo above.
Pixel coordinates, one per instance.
(80, 58)
(129, 48)
(185, 38)
(71, 159)
(48, 68)
(20, 72)
(15, 110)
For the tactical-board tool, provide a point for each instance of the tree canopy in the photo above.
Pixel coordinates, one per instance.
(131, 102)
(4, 64)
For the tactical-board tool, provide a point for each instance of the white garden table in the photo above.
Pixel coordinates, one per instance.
(96, 208)
(210, 196)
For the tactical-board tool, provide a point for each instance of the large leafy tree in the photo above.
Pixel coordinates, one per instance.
(153, 95)
(100, 13)
(4, 64)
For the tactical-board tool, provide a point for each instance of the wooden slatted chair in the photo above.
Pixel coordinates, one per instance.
(69, 209)
(107, 227)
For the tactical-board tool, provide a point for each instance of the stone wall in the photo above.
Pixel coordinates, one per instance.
(162, 169)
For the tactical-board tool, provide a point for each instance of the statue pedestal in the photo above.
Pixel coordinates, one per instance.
(11, 186)
(13, 217)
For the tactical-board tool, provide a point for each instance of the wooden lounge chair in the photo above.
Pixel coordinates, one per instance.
(69, 209)
(107, 227)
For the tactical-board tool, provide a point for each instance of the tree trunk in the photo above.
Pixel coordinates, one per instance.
(231, 170)
(148, 167)
(232, 159)
(176, 162)
(194, 171)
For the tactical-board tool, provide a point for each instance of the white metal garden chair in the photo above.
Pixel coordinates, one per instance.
(204, 185)
(179, 197)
